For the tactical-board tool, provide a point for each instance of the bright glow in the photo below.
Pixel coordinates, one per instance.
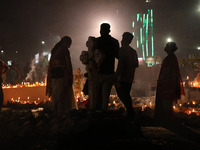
(49, 56)
(97, 21)
(198, 48)
(105, 21)
(37, 58)
(1, 51)
(43, 42)
(9, 63)
(169, 40)
(140, 60)
(45, 53)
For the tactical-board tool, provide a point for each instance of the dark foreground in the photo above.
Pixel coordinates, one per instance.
(109, 130)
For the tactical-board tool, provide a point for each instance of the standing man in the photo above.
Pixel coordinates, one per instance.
(109, 48)
(128, 62)
(3, 69)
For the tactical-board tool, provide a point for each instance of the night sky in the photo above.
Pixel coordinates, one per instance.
(25, 23)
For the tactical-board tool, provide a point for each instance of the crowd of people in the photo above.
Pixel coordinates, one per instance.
(60, 76)
(18, 73)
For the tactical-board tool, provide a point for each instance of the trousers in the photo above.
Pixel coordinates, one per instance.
(123, 92)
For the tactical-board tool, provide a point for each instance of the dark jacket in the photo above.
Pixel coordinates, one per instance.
(110, 48)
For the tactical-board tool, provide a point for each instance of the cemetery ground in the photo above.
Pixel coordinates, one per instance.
(78, 129)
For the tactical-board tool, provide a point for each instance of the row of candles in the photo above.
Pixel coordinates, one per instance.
(189, 108)
(114, 98)
(177, 108)
(191, 83)
(23, 84)
(29, 101)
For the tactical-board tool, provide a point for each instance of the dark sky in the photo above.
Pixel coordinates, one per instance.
(25, 23)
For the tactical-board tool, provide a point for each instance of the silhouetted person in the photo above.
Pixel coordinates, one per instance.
(60, 77)
(3, 69)
(128, 62)
(109, 46)
(13, 76)
(169, 85)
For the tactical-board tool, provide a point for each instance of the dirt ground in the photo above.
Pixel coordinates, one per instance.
(81, 129)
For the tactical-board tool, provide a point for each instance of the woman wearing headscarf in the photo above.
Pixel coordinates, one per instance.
(60, 77)
(169, 85)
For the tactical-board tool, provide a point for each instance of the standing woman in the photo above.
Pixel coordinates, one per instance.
(169, 85)
(60, 77)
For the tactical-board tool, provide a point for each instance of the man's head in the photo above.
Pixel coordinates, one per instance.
(170, 47)
(105, 29)
(127, 38)
(66, 40)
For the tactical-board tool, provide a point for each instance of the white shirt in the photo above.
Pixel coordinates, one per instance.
(128, 61)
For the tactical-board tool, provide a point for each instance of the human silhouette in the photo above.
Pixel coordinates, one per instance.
(3, 69)
(169, 85)
(60, 77)
(13, 76)
(128, 62)
(109, 47)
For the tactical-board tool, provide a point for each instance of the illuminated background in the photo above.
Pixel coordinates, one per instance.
(29, 27)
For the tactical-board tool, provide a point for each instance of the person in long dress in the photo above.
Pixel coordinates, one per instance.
(60, 77)
(169, 85)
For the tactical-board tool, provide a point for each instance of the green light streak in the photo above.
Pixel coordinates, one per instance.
(141, 41)
(152, 44)
(145, 35)
(143, 52)
(147, 25)
(138, 17)
(152, 39)
(133, 24)
(151, 17)
(137, 43)
(141, 35)
(144, 21)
